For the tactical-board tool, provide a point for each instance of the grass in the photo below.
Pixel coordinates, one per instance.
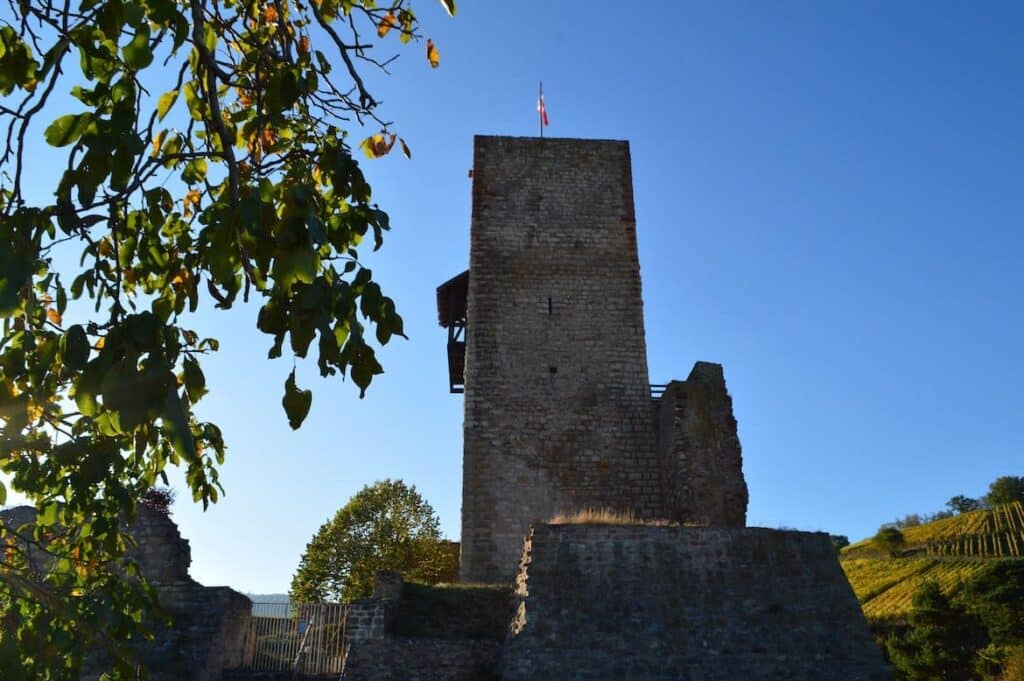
(949, 551)
(606, 516)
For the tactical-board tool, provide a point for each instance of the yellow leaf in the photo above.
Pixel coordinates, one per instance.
(267, 138)
(34, 411)
(377, 145)
(181, 278)
(433, 56)
(191, 200)
(158, 142)
(53, 316)
(386, 24)
(449, 6)
(106, 249)
(100, 342)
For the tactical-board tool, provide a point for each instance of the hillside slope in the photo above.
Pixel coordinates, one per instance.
(949, 551)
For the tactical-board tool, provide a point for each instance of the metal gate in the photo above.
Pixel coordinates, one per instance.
(307, 638)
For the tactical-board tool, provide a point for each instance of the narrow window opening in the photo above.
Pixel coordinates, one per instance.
(550, 309)
(552, 370)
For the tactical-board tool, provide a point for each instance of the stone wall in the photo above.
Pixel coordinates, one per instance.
(643, 602)
(557, 401)
(430, 633)
(396, 658)
(699, 451)
(209, 624)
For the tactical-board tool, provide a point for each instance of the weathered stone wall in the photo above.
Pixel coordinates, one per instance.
(209, 623)
(367, 618)
(397, 658)
(442, 633)
(699, 451)
(557, 402)
(162, 554)
(641, 602)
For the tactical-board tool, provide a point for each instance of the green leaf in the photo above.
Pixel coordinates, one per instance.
(49, 514)
(75, 348)
(296, 402)
(196, 105)
(67, 129)
(3, 494)
(15, 270)
(176, 427)
(195, 381)
(299, 264)
(164, 104)
(137, 53)
(195, 171)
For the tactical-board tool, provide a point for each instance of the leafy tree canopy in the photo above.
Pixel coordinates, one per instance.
(889, 539)
(996, 595)
(205, 162)
(963, 504)
(940, 642)
(839, 541)
(1005, 490)
(385, 526)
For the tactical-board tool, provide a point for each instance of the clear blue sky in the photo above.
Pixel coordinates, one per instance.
(830, 202)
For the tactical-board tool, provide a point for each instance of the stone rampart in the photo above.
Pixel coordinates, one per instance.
(645, 603)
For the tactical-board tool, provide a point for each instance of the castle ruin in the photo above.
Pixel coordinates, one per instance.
(546, 339)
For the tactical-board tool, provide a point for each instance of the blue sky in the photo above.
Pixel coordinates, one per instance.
(829, 203)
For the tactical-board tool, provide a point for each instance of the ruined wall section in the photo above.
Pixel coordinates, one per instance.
(209, 624)
(557, 402)
(651, 603)
(699, 451)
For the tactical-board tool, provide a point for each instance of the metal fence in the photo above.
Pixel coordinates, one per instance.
(308, 638)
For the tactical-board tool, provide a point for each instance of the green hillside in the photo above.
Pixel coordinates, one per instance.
(949, 551)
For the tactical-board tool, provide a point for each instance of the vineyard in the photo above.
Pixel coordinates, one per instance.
(949, 551)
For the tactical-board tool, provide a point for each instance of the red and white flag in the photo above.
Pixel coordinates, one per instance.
(541, 109)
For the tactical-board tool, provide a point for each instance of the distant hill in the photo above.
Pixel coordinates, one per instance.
(270, 605)
(949, 551)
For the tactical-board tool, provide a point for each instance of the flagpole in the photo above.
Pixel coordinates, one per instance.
(540, 114)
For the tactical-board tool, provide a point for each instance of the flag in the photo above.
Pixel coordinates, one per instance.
(541, 109)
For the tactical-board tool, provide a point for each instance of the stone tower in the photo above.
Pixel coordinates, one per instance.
(546, 340)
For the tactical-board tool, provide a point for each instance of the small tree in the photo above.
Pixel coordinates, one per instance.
(385, 526)
(159, 499)
(963, 504)
(839, 541)
(1005, 490)
(889, 539)
(996, 595)
(940, 642)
